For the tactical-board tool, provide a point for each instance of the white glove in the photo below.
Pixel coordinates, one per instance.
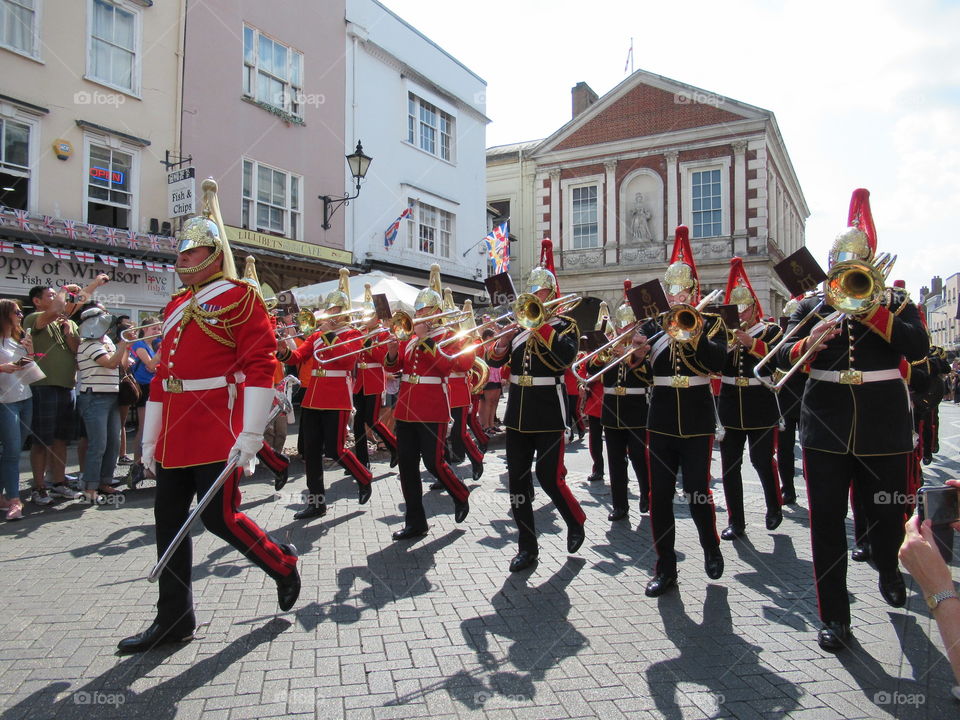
(152, 419)
(257, 402)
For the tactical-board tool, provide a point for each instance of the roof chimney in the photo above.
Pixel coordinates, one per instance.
(583, 97)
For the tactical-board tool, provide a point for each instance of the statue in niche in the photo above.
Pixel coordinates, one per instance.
(640, 222)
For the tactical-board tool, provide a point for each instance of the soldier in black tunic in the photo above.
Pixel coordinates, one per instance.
(789, 398)
(748, 409)
(624, 414)
(535, 417)
(856, 425)
(681, 422)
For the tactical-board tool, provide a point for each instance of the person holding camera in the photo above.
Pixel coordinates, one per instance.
(98, 359)
(920, 557)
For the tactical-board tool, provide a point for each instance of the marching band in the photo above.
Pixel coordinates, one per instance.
(836, 374)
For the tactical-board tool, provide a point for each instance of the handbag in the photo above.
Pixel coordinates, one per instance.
(129, 390)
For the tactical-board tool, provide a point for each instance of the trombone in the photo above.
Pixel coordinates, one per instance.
(853, 288)
(530, 312)
(305, 323)
(683, 322)
(135, 329)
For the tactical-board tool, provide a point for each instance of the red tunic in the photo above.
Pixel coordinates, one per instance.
(570, 382)
(331, 384)
(458, 383)
(421, 401)
(236, 342)
(370, 376)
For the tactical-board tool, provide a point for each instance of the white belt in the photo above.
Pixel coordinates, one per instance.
(320, 372)
(620, 390)
(739, 381)
(855, 377)
(458, 375)
(528, 380)
(421, 379)
(176, 385)
(368, 366)
(680, 381)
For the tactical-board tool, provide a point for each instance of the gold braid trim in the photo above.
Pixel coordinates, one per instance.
(194, 312)
(544, 353)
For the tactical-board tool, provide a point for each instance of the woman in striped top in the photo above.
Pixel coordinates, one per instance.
(98, 391)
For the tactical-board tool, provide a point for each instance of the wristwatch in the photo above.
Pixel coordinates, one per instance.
(934, 600)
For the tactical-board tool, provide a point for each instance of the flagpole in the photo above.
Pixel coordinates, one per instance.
(483, 239)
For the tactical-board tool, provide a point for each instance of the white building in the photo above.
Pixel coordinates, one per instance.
(420, 115)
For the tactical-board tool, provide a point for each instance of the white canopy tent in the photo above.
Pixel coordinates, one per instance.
(400, 294)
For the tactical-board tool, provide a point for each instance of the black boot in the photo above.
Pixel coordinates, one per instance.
(476, 468)
(288, 588)
(152, 637)
(311, 510)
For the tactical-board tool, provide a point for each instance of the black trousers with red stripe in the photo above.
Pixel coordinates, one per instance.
(416, 440)
(786, 465)
(880, 485)
(368, 415)
(574, 416)
(762, 444)
(323, 433)
(459, 437)
(596, 444)
(547, 448)
(667, 454)
(620, 444)
(482, 438)
(176, 489)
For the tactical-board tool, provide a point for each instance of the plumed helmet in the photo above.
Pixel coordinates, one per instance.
(430, 296)
(681, 274)
(341, 296)
(544, 275)
(207, 230)
(739, 289)
(625, 314)
(859, 240)
(603, 313)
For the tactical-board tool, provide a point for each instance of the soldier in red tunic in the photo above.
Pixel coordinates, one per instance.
(209, 401)
(458, 390)
(423, 412)
(370, 385)
(327, 401)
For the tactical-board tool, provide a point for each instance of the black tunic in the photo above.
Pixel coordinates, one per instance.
(872, 418)
(753, 406)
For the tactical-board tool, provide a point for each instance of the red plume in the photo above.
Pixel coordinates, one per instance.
(861, 217)
(627, 284)
(546, 259)
(738, 273)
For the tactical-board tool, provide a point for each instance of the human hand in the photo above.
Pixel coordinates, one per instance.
(921, 558)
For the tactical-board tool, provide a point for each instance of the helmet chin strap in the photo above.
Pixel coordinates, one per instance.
(203, 265)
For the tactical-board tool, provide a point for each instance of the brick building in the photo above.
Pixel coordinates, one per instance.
(611, 185)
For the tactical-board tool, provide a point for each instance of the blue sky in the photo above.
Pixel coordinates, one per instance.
(865, 94)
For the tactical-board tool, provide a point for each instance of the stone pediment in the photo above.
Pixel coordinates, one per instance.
(646, 104)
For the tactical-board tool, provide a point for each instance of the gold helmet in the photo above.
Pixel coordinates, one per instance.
(207, 230)
(859, 240)
(469, 322)
(544, 275)
(603, 314)
(341, 296)
(431, 295)
(625, 314)
(681, 274)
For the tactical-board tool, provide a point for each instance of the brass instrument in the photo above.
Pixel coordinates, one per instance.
(604, 353)
(481, 371)
(611, 363)
(135, 329)
(683, 322)
(852, 287)
(400, 325)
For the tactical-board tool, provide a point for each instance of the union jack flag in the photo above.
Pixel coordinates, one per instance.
(23, 219)
(390, 234)
(111, 236)
(90, 229)
(154, 242)
(59, 253)
(48, 223)
(131, 238)
(35, 250)
(84, 256)
(70, 226)
(111, 260)
(6, 246)
(498, 248)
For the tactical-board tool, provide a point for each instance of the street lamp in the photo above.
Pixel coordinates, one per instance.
(359, 163)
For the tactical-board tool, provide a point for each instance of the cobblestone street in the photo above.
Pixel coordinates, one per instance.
(438, 628)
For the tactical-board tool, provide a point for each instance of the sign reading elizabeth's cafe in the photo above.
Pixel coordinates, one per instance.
(135, 289)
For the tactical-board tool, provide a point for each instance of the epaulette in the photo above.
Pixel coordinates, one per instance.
(178, 293)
